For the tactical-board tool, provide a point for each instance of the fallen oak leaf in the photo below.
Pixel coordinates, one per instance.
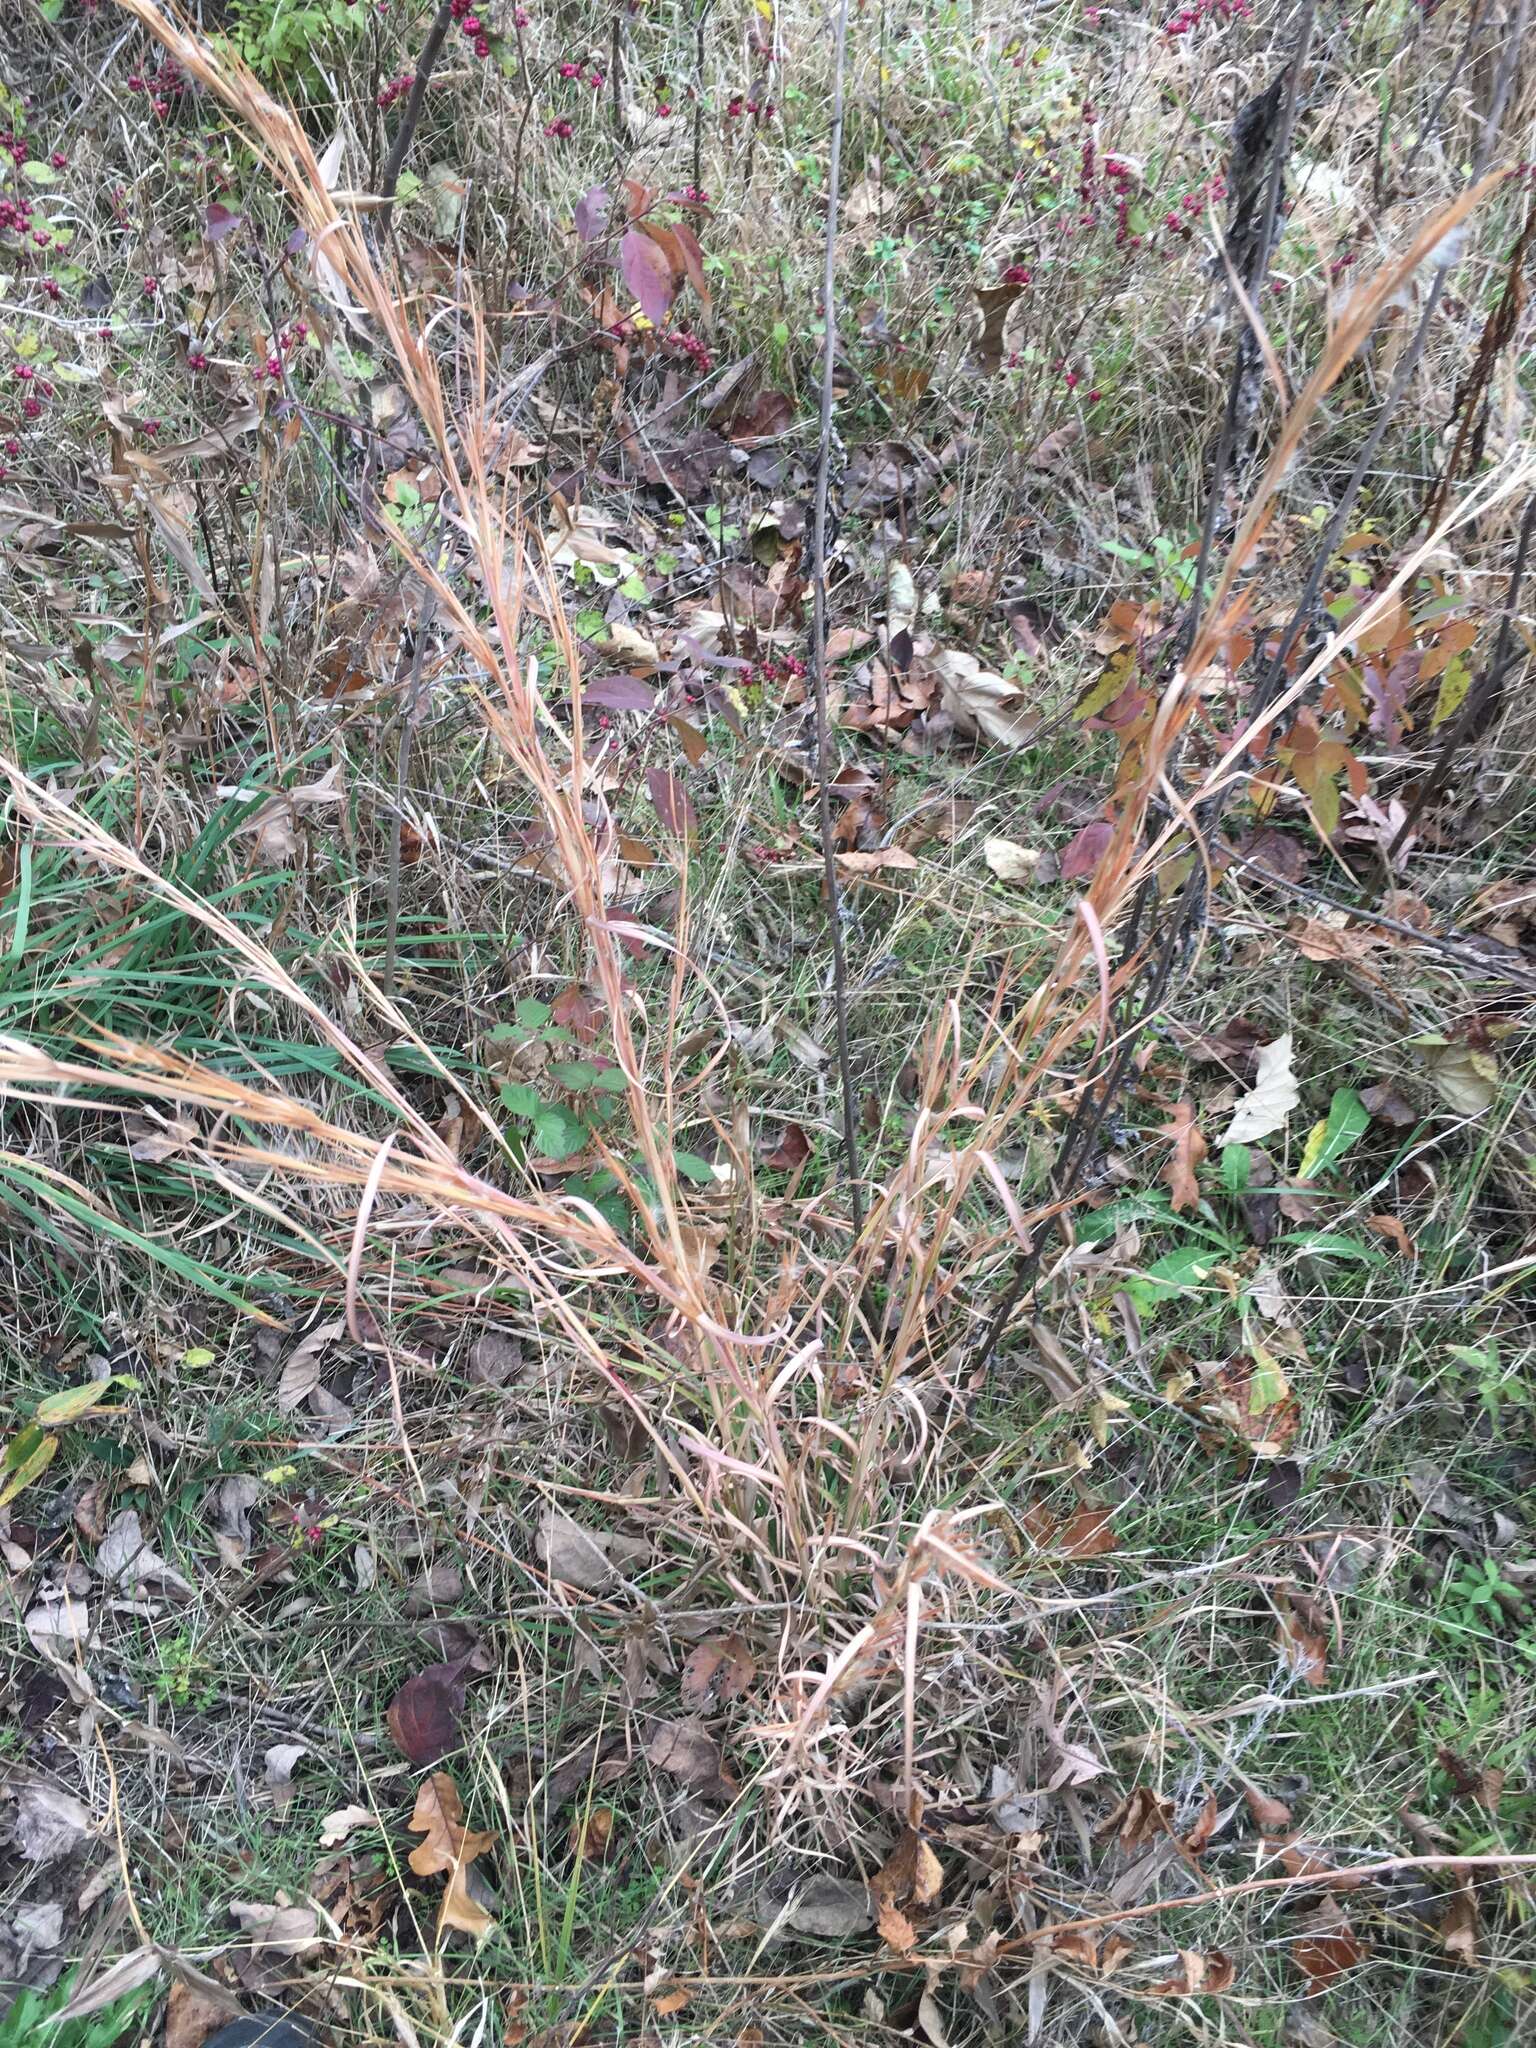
(1085, 1534)
(1458, 1928)
(896, 1930)
(449, 1847)
(983, 705)
(912, 1873)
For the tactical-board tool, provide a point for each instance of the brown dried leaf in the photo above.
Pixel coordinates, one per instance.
(1143, 1817)
(984, 705)
(792, 1150)
(687, 1751)
(450, 1847)
(1189, 1148)
(1328, 1949)
(1200, 1834)
(1270, 1816)
(896, 1929)
(1304, 1649)
(884, 860)
(1210, 1972)
(717, 1672)
(286, 1930)
(591, 1835)
(1458, 1929)
(424, 1714)
(912, 1873)
(1087, 1533)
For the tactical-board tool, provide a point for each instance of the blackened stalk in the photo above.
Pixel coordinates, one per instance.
(818, 648)
(1095, 1104)
(426, 64)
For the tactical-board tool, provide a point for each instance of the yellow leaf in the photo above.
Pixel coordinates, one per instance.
(1316, 1139)
(1453, 689)
(70, 1403)
(30, 1454)
(1269, 1386)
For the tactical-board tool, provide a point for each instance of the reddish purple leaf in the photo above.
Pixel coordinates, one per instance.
(592, 212)
(619, 693)
(218, 222)
(647, 273)
(1086, 850)
(792, 1150)
(671, 801)
(424, 1714)
(693, 257)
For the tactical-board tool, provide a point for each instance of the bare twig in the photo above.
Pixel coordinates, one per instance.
(426, 63)
(819, 625)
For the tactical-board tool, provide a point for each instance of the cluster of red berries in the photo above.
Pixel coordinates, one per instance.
(284, 344)
(471, 27)
(740, 104)
(1118, 172)
(16, 214)
(16, 219)
(1180, 220)
(162, 87)
(682, 341)
(1190, 17)
(758, 674)
(393, 89)
(691, 195)
(36, 391)
(1016, 273)
(559, 131)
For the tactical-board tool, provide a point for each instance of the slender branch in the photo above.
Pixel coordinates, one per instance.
(819, 625)
(426, 64)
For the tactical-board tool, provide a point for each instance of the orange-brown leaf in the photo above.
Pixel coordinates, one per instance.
(1189, 1148)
